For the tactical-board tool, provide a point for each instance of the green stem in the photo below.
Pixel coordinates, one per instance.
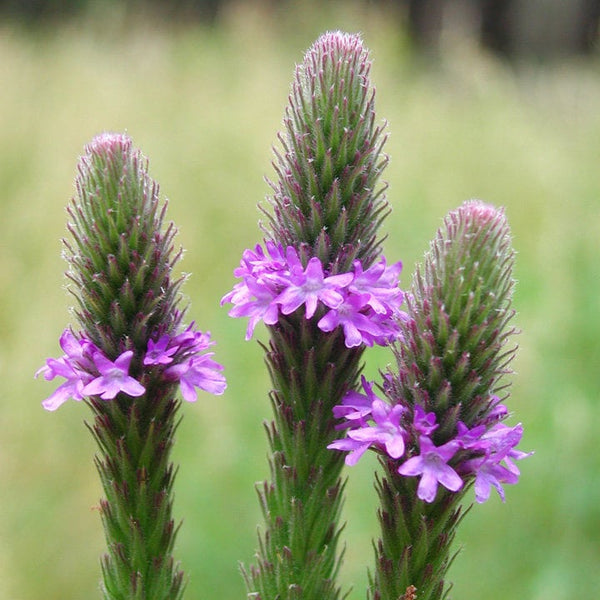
(135, 438)
(415, 547)
(298, 551)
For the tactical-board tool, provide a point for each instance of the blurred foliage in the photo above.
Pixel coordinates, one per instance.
(204, 104)
(35, 12)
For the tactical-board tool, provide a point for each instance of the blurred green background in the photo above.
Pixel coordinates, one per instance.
(204, 102)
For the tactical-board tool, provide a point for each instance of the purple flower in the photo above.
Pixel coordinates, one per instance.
(497, 412)
(424, 423)
(358, 327)
(378, 285)
(200, 371)
(73, 366)
(191, 341)
(364, 303)
(256, 263)
(255, 300)
(498, 446)
(310, 286)
(432, 465)
(159, 353)
(386, 432)
(88, 372)
(71, 388)
(470, 439)
(114, 377)
(501, 439)
(192, 369)
(355, 449)
(489, 472)
(356, 407)
(77, 350)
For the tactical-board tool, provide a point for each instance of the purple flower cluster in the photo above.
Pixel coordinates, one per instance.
(486, 452)
(88, 372)
(365, 303)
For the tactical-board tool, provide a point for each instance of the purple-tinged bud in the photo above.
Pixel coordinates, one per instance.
(461, 302)
(328, 199)
(121, 257)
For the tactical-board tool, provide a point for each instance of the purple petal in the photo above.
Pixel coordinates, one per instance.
(123, 361)
(395, 446)
(427, 488)
(412, 467)
(69, 389)
(188, 391)
(131, 386)
(448, 477)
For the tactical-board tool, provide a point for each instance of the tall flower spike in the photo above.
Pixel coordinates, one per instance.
(326, 208)
(327, 200)
(451, 366)
(128, 361)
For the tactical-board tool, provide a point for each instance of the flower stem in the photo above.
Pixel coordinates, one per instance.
(135, 441)
(415, 547)
(301, 505)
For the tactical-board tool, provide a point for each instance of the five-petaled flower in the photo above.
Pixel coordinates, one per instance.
(199, 371)
(113, 378)
(432, 465)
(159, 353)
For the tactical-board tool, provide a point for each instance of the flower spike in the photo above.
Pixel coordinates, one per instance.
(325, 293)
(128, 361)
(452, 358)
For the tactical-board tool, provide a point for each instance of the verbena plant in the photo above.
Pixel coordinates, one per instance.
(324, 290)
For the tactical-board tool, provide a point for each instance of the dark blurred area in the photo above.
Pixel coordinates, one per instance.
(33, 12)
(510, 28)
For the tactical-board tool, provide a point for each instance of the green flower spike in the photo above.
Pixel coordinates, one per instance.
(128, 361)
(451, 385)
(326, 209)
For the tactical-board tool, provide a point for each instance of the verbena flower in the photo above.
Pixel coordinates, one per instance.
(386, 430)
(160, 352)
(483, 448)
(197, 372)
(364, 303)
(481, 451)
(449, 391)
(311, 286)
(113, 377)
(88, 372)
(356, 407)
(76, 366)
(432, 465)
(128, 359)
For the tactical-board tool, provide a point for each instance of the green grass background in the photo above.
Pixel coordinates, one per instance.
(204, 104)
